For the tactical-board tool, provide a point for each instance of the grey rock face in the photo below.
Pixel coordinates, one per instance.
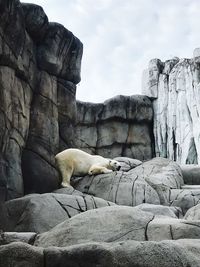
(128, 163)
(193, 213)
(36, 21)
(60, 53)
(172, 212)
(121, 126)
(179, 253)
(10, 237)
(117, 223)
(191, 174)
(150, 182)
(39, 213)
(20, 254)
(36, 77)
(174, 87)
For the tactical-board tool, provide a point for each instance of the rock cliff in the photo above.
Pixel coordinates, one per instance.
(39, 69)
(174, 86)
(40, 65)
(121, 126)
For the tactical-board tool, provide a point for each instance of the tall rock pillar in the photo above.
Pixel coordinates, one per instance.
(174, 87)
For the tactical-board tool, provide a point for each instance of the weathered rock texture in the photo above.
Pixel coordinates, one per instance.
(39, 69)
(121, 126)
(40, 65)
(117, 223)
(109, 236)
(179, 253)
(174, 86)
(39, 213)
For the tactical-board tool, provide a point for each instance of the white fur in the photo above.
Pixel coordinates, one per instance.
(75, 162)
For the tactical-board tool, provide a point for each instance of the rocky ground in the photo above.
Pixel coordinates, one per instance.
(143, 215)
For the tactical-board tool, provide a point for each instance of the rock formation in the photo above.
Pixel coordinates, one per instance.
(174, 88)
(39, 69)
(121, 126)
(147, 214)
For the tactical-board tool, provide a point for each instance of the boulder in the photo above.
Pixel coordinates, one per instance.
(118, 223)
(108, 224)
(39, 213)
(19, 254)
(177, 253)
(191, 174)
(172, 212)
(128, 163)
(10, 237)
(150, 182)
(184, 198)
(193, 213)
(127, 253)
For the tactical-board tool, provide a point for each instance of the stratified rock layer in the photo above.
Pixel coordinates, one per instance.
(174, 86)
(121, 126)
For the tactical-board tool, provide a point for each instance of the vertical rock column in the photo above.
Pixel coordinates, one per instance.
(174, 88)
(53, 108)
(39, 68)
(17, 67)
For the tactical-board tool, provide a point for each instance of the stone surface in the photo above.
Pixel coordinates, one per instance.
(184, 198)
(36, 21)
(38, 80)
(19, 254)
(110, 224)
(172, 212)
(10, 237)
(174, 86)
(118, 223)
(191, 174)
(121, 126)
(128, 163)
(193, 213)
(150, 182)
(39, 213)
(179, 253)
(196, 55)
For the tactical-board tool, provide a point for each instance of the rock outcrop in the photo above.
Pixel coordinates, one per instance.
(39, 69)
(40, 65)
(174, 86)
(39, 213)
(121, 126)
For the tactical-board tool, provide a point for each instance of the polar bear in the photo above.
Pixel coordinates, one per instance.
(75, 162)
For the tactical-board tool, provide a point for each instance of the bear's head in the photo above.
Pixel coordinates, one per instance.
(114, 165)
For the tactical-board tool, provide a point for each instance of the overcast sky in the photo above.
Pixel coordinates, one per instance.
(121, 36)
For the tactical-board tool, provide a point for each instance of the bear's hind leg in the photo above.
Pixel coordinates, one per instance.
(65, 172)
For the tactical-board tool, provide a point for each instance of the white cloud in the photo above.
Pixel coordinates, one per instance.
(120, 37)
